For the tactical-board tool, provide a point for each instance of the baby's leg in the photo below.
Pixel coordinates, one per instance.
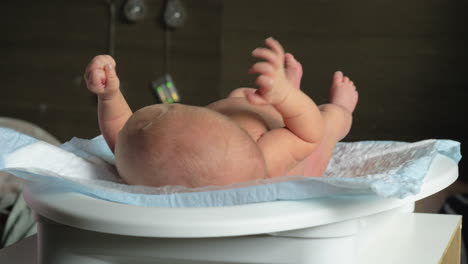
(338, 119)
(113, 111)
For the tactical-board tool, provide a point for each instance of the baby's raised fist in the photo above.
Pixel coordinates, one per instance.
(101, 77)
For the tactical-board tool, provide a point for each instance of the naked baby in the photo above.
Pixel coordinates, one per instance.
(274, 130)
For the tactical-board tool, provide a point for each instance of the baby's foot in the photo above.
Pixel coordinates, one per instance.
(273, 83)
(343, 92)
(101, 77)
(293, 70)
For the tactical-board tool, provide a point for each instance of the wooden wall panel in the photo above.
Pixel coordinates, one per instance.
(196, 52)
(46, 46)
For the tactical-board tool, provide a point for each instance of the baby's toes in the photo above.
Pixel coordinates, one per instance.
(349, 83)
(337, 78)
(292, 64)
(352, 85)
(293, 70)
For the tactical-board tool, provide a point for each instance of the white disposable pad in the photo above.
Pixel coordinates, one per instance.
(384, 168)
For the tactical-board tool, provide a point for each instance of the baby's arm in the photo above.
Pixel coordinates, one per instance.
(303, 130)
(113, 111)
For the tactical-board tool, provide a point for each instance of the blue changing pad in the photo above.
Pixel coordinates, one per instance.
(383, 168)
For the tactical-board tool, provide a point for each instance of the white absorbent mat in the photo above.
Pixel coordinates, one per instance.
(383, 168)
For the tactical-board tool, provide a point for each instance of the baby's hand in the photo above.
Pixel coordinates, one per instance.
(273, 84)
(101, 77)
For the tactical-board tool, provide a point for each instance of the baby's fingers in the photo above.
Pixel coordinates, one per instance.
(112, 80)
(255, 98)
(99, 62)
(96, 81)
(102, 60)
(262, 68)
(269, 56)
(275, 46)
(265, 85)
(268, 91)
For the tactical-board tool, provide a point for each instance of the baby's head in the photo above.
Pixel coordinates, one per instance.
(186, 145)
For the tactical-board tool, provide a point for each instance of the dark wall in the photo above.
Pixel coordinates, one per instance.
(408, 58)
(46, 45)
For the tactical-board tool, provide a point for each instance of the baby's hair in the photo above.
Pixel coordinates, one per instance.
(186, 145)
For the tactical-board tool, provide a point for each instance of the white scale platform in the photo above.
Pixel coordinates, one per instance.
(408, 239)
(74, 228)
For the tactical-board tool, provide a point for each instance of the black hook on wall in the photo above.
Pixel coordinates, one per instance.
(134, 10)
(174, 14)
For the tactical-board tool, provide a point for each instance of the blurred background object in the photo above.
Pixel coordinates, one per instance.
(16, 219)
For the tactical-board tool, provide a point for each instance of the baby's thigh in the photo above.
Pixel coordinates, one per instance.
(317, 162)
(312, 166)
(298, 170)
